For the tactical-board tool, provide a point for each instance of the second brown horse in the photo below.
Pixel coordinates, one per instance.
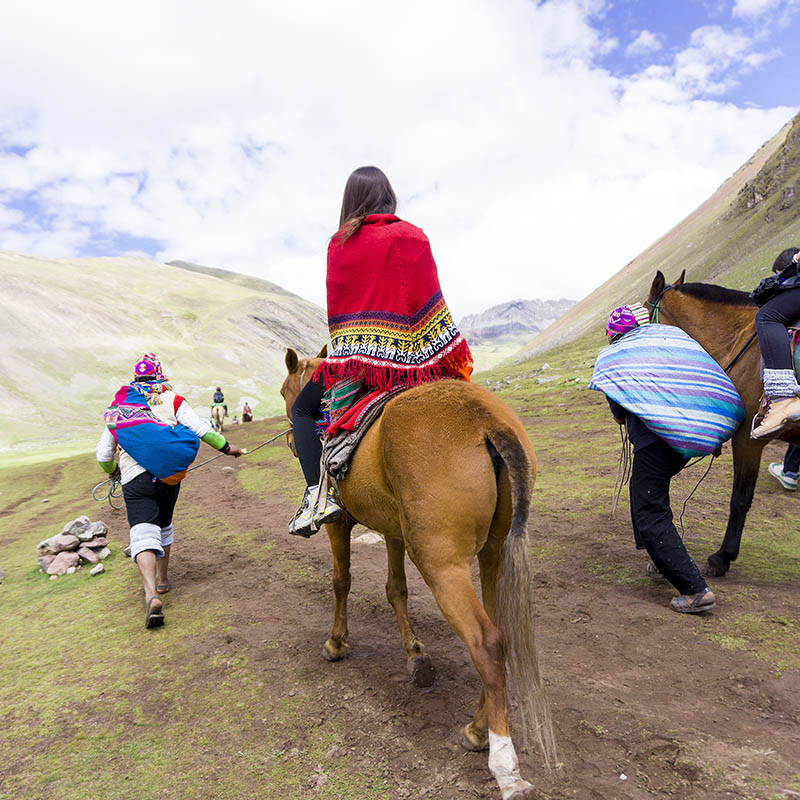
(723, 321)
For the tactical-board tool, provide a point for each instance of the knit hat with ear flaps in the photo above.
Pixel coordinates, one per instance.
(626, 318)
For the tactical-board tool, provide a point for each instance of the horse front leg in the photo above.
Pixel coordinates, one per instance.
(746, 461)
(419, 663)
(335, 648)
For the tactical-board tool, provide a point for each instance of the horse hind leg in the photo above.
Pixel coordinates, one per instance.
(453, 591)
(419, 663)
(476, 734)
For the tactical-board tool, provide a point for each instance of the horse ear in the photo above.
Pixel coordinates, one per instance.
(657, 287)
(680, 280)
(324, 352)
(291, 360)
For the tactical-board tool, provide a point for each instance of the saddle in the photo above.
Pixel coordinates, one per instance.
(344, 435)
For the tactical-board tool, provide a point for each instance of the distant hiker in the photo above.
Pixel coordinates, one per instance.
(157, 435)
(787, 471)
(247, 413)
(655, 463)
(779, 299)
(387, 318)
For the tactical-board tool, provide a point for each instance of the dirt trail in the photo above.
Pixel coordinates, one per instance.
(634, 687)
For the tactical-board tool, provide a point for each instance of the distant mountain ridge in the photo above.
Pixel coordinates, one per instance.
(513, 319)
(259, 284)
(74, 328)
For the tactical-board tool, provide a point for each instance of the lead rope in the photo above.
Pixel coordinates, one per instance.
(708, 469)
(624, 467)
(114, 483)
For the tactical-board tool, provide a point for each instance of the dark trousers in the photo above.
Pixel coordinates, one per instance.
(149, 500)
(305, 413)
(772, 320)
(653, 468)
(791, 461)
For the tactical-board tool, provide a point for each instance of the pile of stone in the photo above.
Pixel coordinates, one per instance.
(80, 542)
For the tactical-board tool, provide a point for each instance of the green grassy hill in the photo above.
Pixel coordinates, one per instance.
(731, 239)
(75, 327)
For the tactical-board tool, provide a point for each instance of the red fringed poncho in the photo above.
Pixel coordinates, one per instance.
(388, 321)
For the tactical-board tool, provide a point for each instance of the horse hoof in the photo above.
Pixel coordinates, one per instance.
(330, 652)
(471, 743)
(422, 671)
(714, 569)
(525, 793)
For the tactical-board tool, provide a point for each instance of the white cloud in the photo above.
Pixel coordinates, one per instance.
(754, 8)
(644, 44)
(227, 133)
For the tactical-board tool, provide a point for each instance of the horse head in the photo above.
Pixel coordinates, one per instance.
(300, 371)
(654, 302)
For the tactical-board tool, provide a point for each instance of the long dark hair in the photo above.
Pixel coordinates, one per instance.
(366, 192)
(784, 259)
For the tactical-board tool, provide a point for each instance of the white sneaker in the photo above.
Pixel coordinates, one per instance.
(787, 481)
(329, 511)
(301, 524)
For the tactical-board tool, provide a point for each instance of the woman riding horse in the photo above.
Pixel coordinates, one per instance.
(388, 321)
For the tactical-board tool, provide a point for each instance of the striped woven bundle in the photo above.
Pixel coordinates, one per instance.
(662, 375)
(164, 451)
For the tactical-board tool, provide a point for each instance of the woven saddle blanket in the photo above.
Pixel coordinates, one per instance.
(347, 424)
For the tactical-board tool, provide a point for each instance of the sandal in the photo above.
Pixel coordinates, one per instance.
(163, 588)
(153, 617)
(703, 601)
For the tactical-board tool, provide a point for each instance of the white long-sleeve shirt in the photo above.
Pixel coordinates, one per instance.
(107, 446)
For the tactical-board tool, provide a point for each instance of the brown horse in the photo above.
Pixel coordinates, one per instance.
(445, 474)
(723, 322)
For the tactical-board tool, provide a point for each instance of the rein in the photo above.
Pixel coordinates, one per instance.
(742, 351)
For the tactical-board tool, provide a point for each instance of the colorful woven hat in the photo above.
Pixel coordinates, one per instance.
(148, 367)
(626, 318)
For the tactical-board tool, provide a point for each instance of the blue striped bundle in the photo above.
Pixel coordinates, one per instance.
(662, 375)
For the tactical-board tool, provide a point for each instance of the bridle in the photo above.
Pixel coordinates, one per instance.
(302, 375)
(654, 313)
(655, 307)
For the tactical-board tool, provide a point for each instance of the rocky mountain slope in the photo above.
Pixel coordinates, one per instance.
(73, 329)
(731, 239)
(512, 320)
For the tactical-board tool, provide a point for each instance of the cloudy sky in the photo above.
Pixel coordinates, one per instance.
(541, 145)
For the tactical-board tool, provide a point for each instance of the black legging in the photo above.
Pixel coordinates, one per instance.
(771, 322)
(305, 414)
(653, 529)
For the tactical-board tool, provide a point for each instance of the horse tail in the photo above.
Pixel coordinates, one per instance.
(514, 607)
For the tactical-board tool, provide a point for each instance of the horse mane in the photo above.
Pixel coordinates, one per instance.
(715, 294)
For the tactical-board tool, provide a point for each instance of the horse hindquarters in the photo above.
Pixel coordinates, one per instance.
(452, 508)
